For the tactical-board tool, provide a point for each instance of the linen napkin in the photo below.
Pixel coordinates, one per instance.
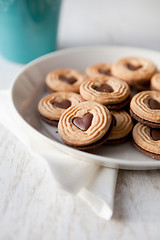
(92, 183)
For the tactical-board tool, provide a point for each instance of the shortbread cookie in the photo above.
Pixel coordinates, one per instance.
(52, 106)
(121, 128)
(86, 125)
(112, 92)
(155, 82)
(136, 71)
(145, 108)
(100, 69)
(147, 140)
(64, 80)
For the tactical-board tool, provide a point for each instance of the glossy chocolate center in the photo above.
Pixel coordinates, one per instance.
(105, 72)
(104, 88)
(133, 67)
(155, 134)
(69, 80)
(64, 104)
(83, 123)
(154, 104)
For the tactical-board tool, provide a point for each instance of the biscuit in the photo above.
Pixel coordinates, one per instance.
(136, 71)
(52, 106)
(64, 80)
(113, 93)
(147, 140)
(85, 125)
(121, 129)
(99, 70)
(155, 82)
(145, 108)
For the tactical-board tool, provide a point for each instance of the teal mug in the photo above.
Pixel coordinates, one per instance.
(28, 28)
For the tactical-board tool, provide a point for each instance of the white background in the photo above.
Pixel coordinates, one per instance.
(114, 22)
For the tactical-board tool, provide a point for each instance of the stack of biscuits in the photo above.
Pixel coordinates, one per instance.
(97, 107)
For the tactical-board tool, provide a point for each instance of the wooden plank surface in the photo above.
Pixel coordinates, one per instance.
(32, 207)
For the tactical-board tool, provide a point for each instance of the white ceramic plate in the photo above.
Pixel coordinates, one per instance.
(28, 88)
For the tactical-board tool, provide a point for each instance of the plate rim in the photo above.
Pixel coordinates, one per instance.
(111, 162)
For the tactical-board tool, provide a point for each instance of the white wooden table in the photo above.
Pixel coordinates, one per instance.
(32, 207)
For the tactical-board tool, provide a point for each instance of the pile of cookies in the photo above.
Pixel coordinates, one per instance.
(92, 109)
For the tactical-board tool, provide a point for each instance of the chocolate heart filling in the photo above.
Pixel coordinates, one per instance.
(132, 67)
(104, 88)
(69, 80)
(64, 104)
(105, 72)
(83, 123)
(155, 134)
(153, 104)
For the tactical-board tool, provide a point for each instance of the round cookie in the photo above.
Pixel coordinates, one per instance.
(136, 71)
(145, 108)
(155, 82)
(52, 106)
(64, 80)
(147, 140)
(113, 93)
(86, 125)
(99, 70)
(121, 128)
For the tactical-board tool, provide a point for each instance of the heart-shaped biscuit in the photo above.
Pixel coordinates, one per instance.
(83, 123)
